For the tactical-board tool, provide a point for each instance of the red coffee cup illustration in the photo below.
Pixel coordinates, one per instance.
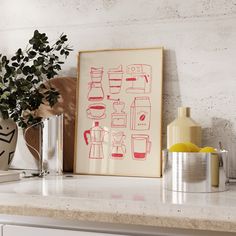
(96, 111)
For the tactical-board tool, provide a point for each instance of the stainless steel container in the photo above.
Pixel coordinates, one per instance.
(52, 145)
(195, 171)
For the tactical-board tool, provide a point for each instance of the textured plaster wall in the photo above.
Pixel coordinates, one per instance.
(199, 37)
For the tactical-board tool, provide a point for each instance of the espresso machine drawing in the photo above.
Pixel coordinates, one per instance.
(96, 92)
(96, 134)
(140, 78)
(118, 147)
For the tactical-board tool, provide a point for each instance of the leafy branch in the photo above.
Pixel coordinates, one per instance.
(25, 78)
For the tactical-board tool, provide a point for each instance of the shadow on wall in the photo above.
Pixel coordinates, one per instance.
(222, 130)
(72, 71)
(171, 91)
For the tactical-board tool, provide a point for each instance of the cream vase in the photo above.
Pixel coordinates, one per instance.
(184, 129)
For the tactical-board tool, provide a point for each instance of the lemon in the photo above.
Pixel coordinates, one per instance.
(179, 147)
(192, 147)
(208, 149)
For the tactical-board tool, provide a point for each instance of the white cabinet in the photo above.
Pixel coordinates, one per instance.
(12, 230)
(0, 230)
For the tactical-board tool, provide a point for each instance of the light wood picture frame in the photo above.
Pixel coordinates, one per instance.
(119, 112)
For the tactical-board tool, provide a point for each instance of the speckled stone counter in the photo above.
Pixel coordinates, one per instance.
(139, 201)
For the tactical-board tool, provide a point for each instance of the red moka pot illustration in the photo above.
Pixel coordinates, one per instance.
(140, 146)
(96, 92)
(96, 139)
(140, 114)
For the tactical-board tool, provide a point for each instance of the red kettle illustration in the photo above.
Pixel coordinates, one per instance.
(96, 134)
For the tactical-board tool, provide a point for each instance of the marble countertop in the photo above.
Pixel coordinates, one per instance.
(140, 201)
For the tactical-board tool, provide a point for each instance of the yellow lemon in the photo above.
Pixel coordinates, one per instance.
(208, 149)
(179, 147)
(192, 147)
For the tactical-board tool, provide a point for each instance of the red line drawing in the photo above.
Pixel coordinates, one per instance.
(118, 117)
(115, 76)
(96, 134)
(116, 196)
(140, 113)
(140, 146)
(96, 111)
(118, 147)
(96, 92)
(140, 78)
(137, 197)
(112, 99)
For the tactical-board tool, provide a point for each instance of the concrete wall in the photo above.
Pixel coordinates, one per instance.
(199, 37)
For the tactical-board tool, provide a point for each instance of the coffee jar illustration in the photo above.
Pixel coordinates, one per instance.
(183, 129)
(140, 113)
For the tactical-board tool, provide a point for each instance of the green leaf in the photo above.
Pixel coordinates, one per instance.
(26, 70)
(32, 54)
(32, 69)
(19, 52)
(15, 64)
(5, 115)
(40, 60)
(37, 73)
(26, 59)
(18, 71)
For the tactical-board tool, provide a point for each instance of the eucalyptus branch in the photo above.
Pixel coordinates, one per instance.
(28, 74)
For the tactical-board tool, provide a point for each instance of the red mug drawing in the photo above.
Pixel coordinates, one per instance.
(140, 146)
(96, 111)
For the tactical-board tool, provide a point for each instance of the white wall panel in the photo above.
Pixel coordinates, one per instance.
(199, 37)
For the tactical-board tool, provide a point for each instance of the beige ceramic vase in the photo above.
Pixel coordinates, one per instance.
(8, 139)
(183, 129)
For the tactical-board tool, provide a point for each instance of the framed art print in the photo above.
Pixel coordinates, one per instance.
(119, 109)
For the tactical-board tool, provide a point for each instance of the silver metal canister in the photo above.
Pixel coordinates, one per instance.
(52, 145)
(195, 171)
